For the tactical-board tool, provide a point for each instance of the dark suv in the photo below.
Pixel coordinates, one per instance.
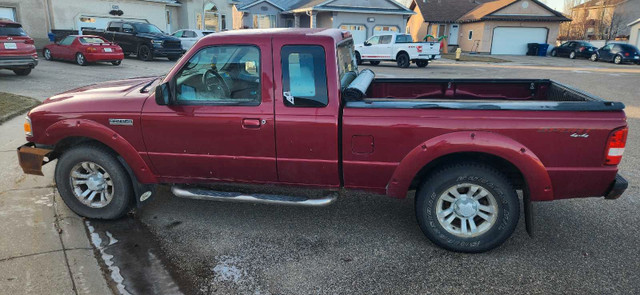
(17, 52)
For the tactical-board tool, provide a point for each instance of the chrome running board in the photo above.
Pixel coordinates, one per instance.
(205, 194)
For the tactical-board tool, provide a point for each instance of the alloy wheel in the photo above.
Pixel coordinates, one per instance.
(467, 210)
(91, 184)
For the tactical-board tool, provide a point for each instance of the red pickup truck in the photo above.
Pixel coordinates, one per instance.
(261, 111)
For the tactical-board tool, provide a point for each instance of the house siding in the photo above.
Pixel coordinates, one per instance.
(478, 36)
(416, 25)
(634, 35)
(33, 16)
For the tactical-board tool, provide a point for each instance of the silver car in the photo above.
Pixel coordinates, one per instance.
(190, 37)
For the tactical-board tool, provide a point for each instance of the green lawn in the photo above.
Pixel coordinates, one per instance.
(12, 105)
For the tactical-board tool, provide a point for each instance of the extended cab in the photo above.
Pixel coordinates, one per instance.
(262, 111)
(399, 48)
(142, 39)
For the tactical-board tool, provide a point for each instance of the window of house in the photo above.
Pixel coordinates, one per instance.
(221, 75)
(470, 34)
(379, 29)
(211, 17)
(263, 21)
(223, 22)
(304, 77)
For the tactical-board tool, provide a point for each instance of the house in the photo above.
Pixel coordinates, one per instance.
(363, 18)
(634, 33)
(42, 16)
(601, 19)
(486, 26)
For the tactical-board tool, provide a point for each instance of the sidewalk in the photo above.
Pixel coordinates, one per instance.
(44, 248)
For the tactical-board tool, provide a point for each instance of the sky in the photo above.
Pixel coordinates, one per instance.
(555, 4)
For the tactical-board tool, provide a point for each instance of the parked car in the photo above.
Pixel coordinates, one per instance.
(289, 108)
(617, 53)
(142, 39)
(84, 49)
(573, 49)
(399, 48)
(190, 37)
(17, 52)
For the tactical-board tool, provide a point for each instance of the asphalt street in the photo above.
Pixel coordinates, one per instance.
(367, 244)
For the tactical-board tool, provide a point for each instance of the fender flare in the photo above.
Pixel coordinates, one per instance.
(535, 174)
(91, 129)
(395, 57)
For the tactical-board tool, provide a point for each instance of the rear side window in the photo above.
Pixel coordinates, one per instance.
(304, 76)
(114, 27)
(404, 39)
(67, 41)
(12, 31)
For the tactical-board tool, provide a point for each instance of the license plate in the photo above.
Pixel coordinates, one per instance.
(10, 46)
(108, 50)
(636, 57)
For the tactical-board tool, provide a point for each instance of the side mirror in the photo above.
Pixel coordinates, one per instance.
(163, 94)
(367, 43)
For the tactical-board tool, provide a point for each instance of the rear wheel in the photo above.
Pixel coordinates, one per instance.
(93, 183)
(116, 62)
(617, 60)
(358, 58)
(403, 60)
(144, 53)
(467, 208)
(374, 62)
(572, 55)
(81, 60)
(554, 53)
(47, 54)
(422, 63)
(594, 57)
(22, 72)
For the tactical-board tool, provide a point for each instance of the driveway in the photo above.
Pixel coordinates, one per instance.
(369, 244)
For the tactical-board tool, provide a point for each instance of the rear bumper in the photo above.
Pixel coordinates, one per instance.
(617, 188)
(93, 57)
(32, 158)
(18, 62)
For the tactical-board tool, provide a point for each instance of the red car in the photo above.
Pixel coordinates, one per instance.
(84, 50)
(290, 108)
(17, 52)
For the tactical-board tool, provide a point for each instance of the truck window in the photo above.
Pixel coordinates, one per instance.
(347, 66)
(304, 76)
(114, 27)
(375, 40)
(404, 39)
(386, 39)
(221, 75)
(127, 28)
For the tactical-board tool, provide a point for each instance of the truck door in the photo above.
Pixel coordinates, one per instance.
(370, 49)
(221, 126)
(307, 108)
(385, 49)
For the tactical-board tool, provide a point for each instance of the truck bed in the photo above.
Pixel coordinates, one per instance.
(487, 94)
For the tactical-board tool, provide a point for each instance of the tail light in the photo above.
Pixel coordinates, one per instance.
(582, 49)
(91, 49)
(626, 54)
(29, 41)
(615, 146)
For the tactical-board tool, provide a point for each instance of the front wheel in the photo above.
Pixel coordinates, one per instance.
(422, 63)
(594, 57)
(81, 60)
(403, 60)
(116, 62)
(358, 58)
(47, 54)
(144, 53)
(22, 72)
(554, 53)
(467, 208)
(572, 55)
(93, 183)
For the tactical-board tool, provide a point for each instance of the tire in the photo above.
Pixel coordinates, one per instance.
(173, 58)
(22, 72)
(594, 57)
(81, 60)
(116, 62)
(434, 211)
(572, 55)
(422, 63)
(617, 60)
(358, 58)
(144, 53)
(554, 53)
(47, 54)
(114, 201)
(374, 62)
(403, 60)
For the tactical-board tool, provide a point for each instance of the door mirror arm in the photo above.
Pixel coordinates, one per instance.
(367, 43)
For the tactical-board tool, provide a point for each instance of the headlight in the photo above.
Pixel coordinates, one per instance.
(156, 42)
(28, 131)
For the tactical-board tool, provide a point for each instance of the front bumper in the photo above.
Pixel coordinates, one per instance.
(167, 52)
(617, 188)
(18, 62)
(32, 158)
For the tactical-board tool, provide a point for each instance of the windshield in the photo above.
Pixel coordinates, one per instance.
(147, 28)
(347, 66)
(586, 44)
(12, 31)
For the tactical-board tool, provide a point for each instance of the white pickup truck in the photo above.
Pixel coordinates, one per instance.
(399, 48)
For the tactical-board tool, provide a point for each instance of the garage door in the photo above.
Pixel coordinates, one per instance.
(359, 32)
(8, 13)
(514, 40)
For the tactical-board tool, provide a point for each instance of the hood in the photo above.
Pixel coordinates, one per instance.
(112, 96)
(157, 36)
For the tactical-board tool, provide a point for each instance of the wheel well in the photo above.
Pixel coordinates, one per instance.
(67, 143)
(401, 52)
(500, 164)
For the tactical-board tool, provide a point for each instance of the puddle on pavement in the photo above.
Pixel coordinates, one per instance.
(130, 257)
